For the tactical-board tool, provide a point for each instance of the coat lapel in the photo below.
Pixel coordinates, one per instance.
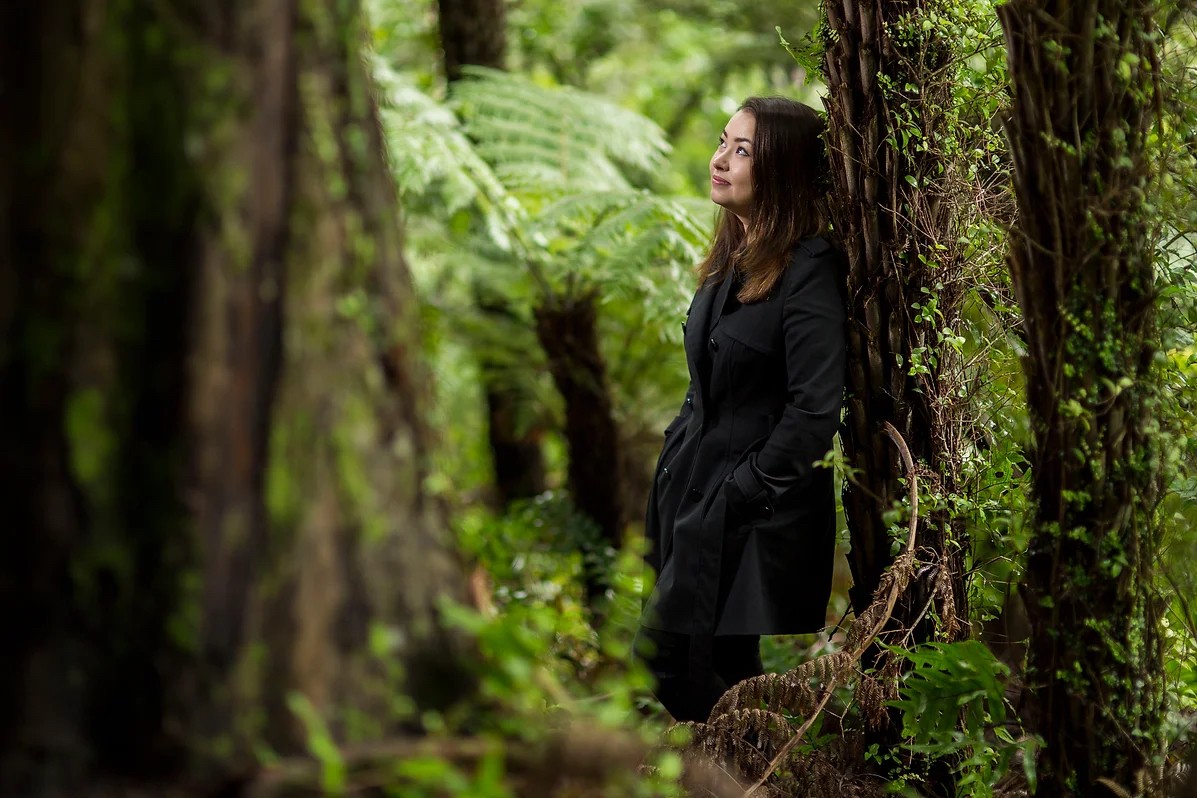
(697, 357)
(721, 298)
(704, 315)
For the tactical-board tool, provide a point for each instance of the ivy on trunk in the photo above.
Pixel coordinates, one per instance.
(1081, 259)
(888, 112)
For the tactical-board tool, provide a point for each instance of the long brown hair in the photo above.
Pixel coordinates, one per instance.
(789, 166)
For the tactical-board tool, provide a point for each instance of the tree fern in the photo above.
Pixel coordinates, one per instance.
(551, 173)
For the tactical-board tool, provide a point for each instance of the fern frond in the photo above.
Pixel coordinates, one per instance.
(433, 159)
(629, 243)
(577, 136)
(723, 745)
(796, 691)
(725, 739)
(454, 271)
(767, 730)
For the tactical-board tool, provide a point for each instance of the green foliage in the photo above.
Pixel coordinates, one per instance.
(1176, 231)
(543, 666)
(541, 655)
(404, 32)
(953, 706)
(538, 555)
(684, 64)
(321, 744)
(809, 52)
(433, 777)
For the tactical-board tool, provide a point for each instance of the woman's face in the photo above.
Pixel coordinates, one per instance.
(731, 166)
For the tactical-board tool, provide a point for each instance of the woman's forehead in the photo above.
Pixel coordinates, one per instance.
(742, 124)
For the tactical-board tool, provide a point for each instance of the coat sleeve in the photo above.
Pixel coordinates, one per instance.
(815, 355)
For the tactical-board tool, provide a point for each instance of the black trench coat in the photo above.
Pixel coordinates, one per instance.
(740, 525)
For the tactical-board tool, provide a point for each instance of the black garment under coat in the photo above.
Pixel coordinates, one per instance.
(740, 524)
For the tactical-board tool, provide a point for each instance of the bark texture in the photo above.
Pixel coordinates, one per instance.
(211, 445)
(1081, 260)
(886, 110)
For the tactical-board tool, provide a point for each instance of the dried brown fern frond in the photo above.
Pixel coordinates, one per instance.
(868, 624)
(767, 731)
(732, 750)
(815, 775)
(795, 691)
(871, 695)
(876, 689)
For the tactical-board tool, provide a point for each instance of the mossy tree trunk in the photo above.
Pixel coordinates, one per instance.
(888, 113)
(211, 444)
(1081, 259)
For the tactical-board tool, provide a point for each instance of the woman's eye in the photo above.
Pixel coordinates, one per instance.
(741, 151)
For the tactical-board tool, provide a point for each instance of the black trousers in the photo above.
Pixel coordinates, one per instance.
(685, 693)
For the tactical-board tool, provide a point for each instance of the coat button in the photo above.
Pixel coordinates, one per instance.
(695, 495)
(714, 345)
(665, 473)
(690, 400)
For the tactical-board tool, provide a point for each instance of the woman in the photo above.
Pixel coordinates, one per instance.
(741, 524)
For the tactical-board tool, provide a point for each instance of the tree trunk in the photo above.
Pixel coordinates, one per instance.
(211, 444)
(1082, 265)
(517, 458)
(886, 96)
(475, 32)
(568, 331)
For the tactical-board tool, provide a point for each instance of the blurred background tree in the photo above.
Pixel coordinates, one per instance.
(214, 442)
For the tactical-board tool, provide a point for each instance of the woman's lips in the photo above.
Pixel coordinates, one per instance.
(719, 181)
